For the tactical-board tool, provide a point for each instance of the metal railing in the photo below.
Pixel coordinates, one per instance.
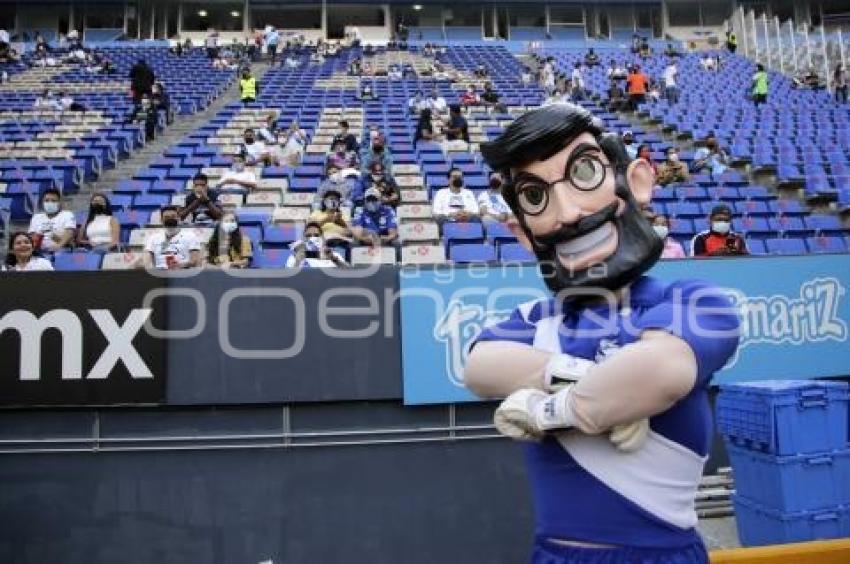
(789, 48)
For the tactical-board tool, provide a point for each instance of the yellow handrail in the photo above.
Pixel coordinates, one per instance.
(817, 552)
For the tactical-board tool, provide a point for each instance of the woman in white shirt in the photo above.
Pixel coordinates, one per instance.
(101, 232)
(20, 257)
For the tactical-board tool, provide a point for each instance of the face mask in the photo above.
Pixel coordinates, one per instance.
(238, 167)
(674, 158)
(661, 230)
(377, 177)
(51, 207)
(457, 182)
(249, 140)
(371, 206)
(378, 149)
(98, 209)
(331, 203)
(313, 244)
(229, 226)
(495, 184)
(171, 225)
(335, 177)
(627, 141)
(720, 227)
(711, 144)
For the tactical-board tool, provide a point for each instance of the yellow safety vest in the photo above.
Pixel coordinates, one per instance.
(248, 87)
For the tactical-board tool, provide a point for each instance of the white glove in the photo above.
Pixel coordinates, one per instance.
(629, 437)
(527, 414)
(564, 369)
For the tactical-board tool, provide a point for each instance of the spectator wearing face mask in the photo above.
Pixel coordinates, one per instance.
(144, 113)
(616, 98)
(379, 178)
(672, 170)
(719, 239)
(455, 203)
(436, 103)
(101, 231)
(637, 85)
(313, 252)
(424, 128)
(255, 151)
(238, 177)
(290, 146)
(331, 219)
(173, 248)
(228, 246)
(672, 248)
(345, 137)
(375, 223)
(336, 182)
(456, 131)
(577, 83)
(470, 97)
(48, 101)
(268, 133)
(53, 229)
(491, 204)
(249, 88)
(341, 158)
(643, 152)
(20, 257)
(490, 99)
(712, 158)
(416, 102)
(377, 152)
(162, 101)
(629, 144)
(591, 59)
(202, 206)
(671, 90)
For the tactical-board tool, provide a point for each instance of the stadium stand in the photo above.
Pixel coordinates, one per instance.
(809, 139)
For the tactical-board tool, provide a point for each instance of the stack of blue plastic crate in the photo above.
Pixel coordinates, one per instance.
(787, 442)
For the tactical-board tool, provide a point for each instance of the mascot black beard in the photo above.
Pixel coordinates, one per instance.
(606, 382)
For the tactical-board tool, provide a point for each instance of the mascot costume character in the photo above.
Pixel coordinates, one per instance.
(607, 381)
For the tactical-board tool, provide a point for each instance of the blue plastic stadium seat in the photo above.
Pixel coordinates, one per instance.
(280, 236)
(787, 207)
(247, 217)
(681, 227)
(785, 246)
(824, 224)
(788, 224)
(684, 210)
(514, 252)
(151, 201)
(756, 247)
(270, 258)
(826, 244)
(752, 226)
(498, 233)
(78, 260)
(472, 253)
(752, 207)
(462, 233)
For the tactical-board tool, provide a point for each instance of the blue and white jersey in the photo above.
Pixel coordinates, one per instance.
(584, 488)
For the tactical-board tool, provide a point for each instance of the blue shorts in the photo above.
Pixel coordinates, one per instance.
(547, 552)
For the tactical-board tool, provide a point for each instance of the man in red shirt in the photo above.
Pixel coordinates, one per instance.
(637, 84)
(719, 239)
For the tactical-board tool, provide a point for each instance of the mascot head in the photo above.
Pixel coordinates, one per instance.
(577, 199)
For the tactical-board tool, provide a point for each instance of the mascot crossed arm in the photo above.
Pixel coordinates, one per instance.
(607, 381)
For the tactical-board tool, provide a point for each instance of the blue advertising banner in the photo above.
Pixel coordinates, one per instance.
(794, 317)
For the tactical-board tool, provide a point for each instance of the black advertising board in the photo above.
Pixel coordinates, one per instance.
(79, 338)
